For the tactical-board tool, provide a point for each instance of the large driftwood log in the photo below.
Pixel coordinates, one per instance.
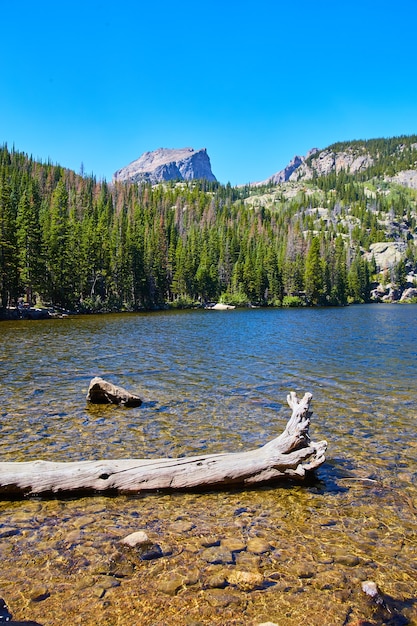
(291, 455)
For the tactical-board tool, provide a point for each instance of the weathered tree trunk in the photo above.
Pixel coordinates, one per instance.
(291, 455)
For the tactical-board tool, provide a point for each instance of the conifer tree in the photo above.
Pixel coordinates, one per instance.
(9, 288)
(314, 274)
(29, 242)
(56, 240)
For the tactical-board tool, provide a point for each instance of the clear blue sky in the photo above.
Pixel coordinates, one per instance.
(100, 82)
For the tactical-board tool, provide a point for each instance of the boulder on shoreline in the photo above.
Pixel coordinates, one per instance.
(219, 306)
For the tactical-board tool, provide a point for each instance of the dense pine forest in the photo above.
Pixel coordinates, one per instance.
(70, 241)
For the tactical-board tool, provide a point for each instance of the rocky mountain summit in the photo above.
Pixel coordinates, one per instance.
(287, 173)
(352, 157)
(321, 163)
(167, 164)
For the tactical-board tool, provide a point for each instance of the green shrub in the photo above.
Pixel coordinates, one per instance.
(183, 302)
(292, 301)
(235, 299)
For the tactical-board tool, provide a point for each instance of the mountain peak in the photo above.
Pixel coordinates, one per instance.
(166, 164)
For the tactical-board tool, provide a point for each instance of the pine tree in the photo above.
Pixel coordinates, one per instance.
(339, 280)
(9, 287)
(56, 240)
(314, 274)
(29, 242)
(359, 279)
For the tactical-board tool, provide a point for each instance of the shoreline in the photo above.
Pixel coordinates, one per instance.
(39, 313)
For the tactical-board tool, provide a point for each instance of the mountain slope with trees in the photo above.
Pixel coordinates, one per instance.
(70, 241)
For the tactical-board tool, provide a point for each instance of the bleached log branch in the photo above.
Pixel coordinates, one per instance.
(291, 455)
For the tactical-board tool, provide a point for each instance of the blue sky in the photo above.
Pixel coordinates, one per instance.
(99, 82)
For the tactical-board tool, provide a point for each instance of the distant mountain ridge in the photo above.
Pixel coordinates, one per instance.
(396, 158)
(167, 164)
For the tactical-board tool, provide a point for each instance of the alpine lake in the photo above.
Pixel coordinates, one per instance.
(212, 381)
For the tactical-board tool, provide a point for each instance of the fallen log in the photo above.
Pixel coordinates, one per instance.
(290, 455)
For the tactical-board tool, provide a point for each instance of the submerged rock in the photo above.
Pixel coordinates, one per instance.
(246, 581)
(256, 545)
(138, 538)
(217, 556)
(171, 585)
(233, 545)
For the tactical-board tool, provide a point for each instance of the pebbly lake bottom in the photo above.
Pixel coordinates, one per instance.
(288, 554)
(285, 554)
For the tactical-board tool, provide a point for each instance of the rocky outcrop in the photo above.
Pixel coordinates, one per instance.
(327, 161)
(386, 254)
(388, 294)
(284, 175)
(167, 164)
(409, 294)
(321, 163)
(407, 178)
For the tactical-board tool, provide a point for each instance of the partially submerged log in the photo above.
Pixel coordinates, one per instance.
(102, 392)
(291, 455)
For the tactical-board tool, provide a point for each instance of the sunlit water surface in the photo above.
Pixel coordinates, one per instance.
(215, 381)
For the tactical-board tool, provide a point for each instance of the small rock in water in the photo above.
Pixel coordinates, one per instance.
(371, 590)
(154, 552)
(138, 538)
(192, 576)
(217, 581)
(386, 609)
(222, 598)
(209, 542)
(258, 546)
(38, 594)
(181, 526)
(108, 582)
(304, 571)
(146, 549)
(247, 561)
(350, 560)
(246, 581)
(217, 556)
(171, 585)
(233, 545)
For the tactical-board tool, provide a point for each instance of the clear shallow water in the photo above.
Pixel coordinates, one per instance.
(212, 381)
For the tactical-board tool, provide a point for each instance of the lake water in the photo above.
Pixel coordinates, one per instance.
(215, 381)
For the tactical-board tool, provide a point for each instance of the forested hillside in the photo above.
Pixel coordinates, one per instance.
(70, 241)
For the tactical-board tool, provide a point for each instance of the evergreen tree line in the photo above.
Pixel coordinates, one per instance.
(84, 245)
